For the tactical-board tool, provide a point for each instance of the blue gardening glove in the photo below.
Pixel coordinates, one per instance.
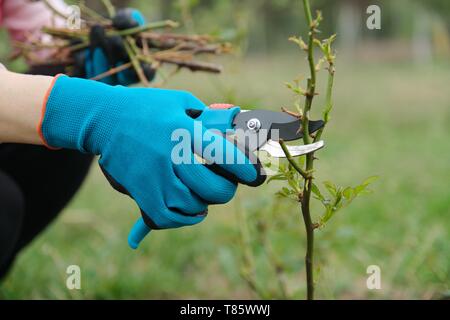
(131, 129)
(108, 52)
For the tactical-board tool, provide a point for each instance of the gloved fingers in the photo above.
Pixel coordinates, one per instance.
(209, 186)
(127, 76)
(191, 101)
(98, 65)
(88, 65)
(138, 17)
(175, 219)
(127, 18)
(169, 218)
(225, 157)
(181, 199)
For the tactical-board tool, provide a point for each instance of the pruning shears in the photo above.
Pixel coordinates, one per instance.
(250, 131)
(262, 129)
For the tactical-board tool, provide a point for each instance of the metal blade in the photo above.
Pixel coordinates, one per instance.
(287, 125)
(274, 149)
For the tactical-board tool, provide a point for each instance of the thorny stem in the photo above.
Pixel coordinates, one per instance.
(311, 91)
(146, 27)
(306, 173)
(328, 100)
(305, 203)
(112, 71)
(128, 45)
(291, 160)
(188, 64)
(305, 197)
(309, 258)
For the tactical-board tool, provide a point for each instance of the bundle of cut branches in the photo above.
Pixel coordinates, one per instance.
(153, 43)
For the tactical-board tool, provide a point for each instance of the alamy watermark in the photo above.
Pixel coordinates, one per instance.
(73, 20)
(232, 147)
(73, 281)
(373, 22)
(373, 281)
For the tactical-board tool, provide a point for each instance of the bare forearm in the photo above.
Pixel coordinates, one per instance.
(21, 100)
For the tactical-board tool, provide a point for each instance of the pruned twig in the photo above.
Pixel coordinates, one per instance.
(113, 71)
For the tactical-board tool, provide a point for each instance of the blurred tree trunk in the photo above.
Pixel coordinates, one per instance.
(350, 23)
(440, 38)
(262, 23)
(421, 43)
(349, 26)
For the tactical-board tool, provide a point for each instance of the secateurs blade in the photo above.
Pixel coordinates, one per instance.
(259, 130)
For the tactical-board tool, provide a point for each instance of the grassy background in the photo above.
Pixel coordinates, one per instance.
(391, 120)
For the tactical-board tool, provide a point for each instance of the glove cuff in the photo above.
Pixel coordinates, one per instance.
(43, 111)
(79, 114)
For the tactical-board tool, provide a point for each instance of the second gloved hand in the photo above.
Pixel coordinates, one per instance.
(108, 52)
(131, 130)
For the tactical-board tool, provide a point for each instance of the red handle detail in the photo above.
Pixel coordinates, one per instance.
(221, 106)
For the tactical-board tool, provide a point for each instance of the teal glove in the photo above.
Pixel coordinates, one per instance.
(108, 52)
(131, 129)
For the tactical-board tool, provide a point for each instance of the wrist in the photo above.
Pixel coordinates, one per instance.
(20, 106)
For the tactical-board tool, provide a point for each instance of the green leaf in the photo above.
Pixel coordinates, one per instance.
(348, 193)
(279, 177)
(342, 197)
(317, 192)
(299, 41)
(370, 180)
(293, 183)
(331, 187)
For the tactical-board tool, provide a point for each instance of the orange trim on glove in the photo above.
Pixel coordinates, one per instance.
(44, 107)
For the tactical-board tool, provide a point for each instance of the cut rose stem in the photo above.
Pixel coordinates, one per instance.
(112, 71)
(128, 44)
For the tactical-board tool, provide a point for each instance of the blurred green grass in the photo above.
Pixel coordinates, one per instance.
(390, 120)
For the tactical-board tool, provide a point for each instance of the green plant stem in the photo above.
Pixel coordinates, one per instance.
(291, 160)
(309, 257)
(66, 33)
(306, 197)
(146, 27)
(311, 91)
(109, 8)
(128, 45)
(328, 100)
(78, 46)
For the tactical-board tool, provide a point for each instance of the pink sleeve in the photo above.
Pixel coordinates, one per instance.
(23, 17)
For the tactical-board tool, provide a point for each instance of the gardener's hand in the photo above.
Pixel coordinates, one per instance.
(133, 130)
(108, 52)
